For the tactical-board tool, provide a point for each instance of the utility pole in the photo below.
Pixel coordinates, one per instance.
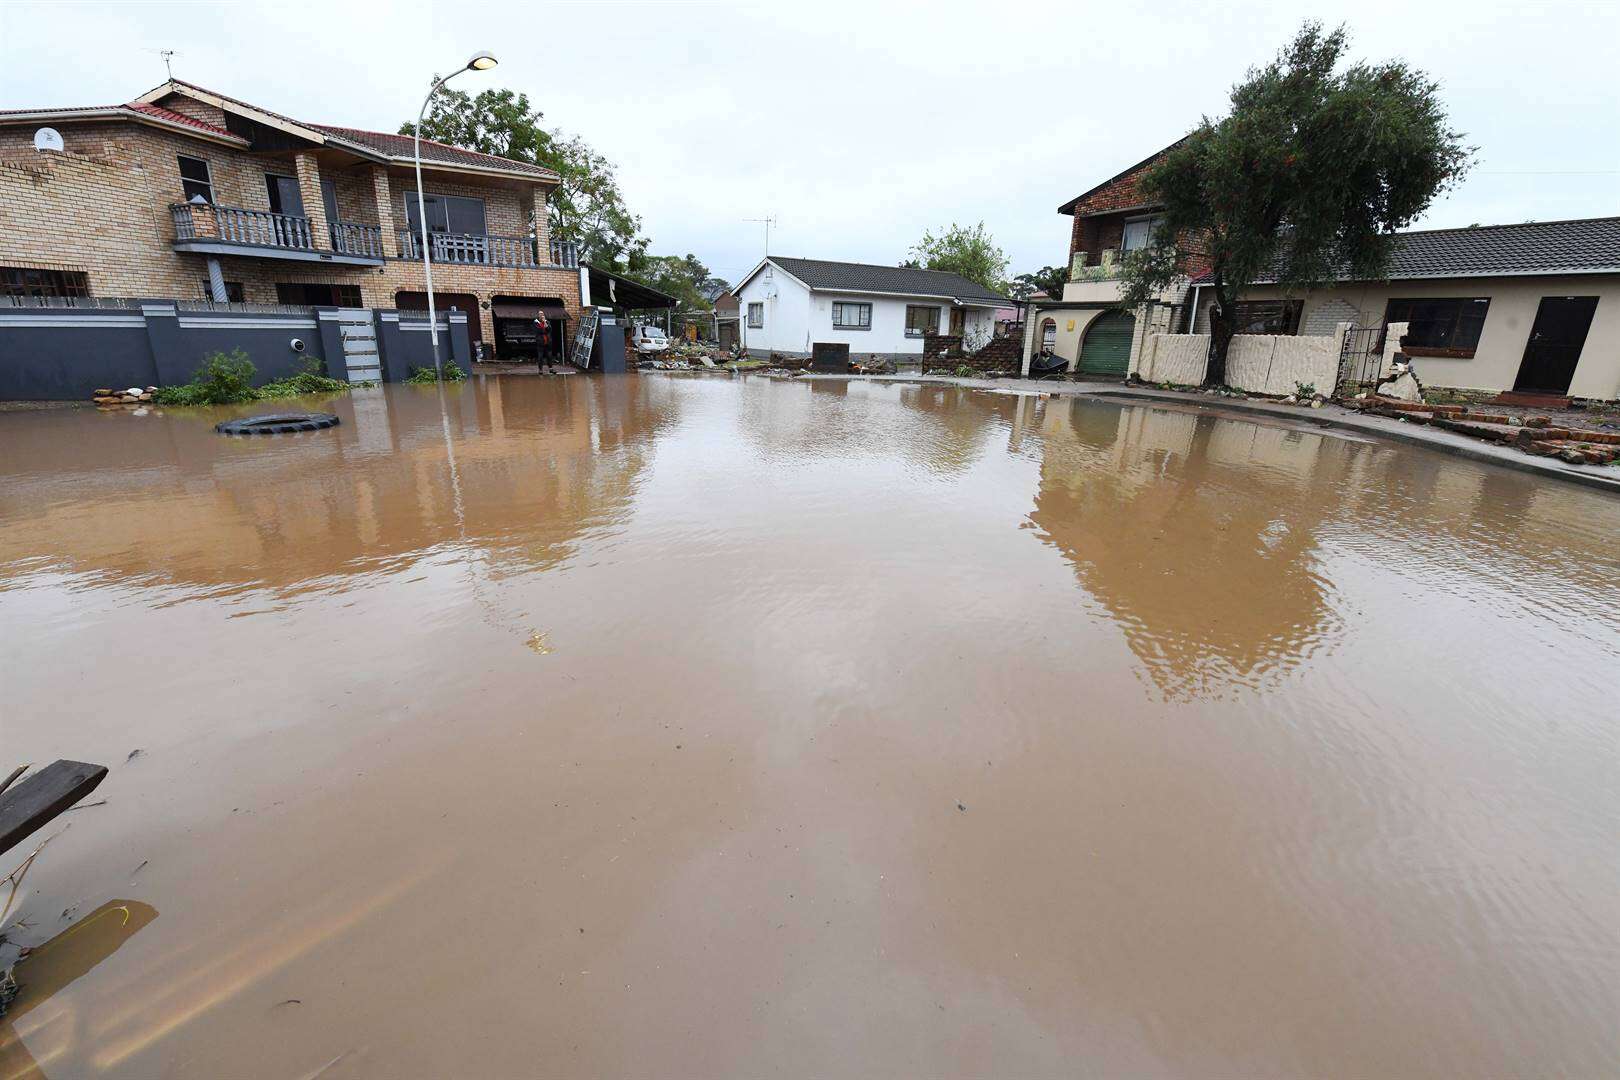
(767, 222)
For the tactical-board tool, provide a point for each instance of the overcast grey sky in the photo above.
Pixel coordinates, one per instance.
(860, 126)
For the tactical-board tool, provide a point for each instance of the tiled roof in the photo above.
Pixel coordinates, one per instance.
(1586, 245)
(175, 117)
(389, 146)
(114, 112)
(399, 146)
(865, 277)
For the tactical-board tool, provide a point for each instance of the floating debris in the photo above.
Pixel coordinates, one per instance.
(537, 643)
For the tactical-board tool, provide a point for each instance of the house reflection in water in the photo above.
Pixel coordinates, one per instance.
(536, 463)
(1196, 534)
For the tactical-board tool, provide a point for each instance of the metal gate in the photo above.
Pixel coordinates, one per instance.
(1106, 349)
(1361, 360)
(359, 335)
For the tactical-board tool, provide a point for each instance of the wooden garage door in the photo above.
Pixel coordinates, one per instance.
(1106, 349)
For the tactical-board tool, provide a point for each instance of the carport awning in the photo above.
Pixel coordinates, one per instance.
(527, 309)
(620, 291)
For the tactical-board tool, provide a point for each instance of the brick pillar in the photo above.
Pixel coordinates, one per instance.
(309, 188)
(383, 193)
(540, 222)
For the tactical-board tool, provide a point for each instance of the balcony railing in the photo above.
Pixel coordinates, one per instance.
(234, 225)
(261, 228)
(1108, 266)
(477, 249)
(354, 239)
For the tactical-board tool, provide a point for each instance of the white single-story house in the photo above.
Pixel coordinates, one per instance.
(790, 305)
(1532, 307)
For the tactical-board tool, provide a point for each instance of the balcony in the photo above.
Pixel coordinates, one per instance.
(477, 249)
(233, 230)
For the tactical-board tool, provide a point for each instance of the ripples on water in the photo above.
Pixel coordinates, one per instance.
(1279, 751)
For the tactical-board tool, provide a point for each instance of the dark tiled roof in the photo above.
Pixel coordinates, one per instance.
(1537, 247)
(864, 277)
(399, 146)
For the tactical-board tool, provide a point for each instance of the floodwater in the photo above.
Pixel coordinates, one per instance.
(742, 727)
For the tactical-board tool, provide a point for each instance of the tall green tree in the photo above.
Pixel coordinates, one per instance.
(1309, 175)
(962, 250)
(587, 208)
(685, 278)
(1048, 279)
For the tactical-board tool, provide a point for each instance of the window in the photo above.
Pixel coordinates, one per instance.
(1440, 327)
(852, 316)
(1139, 232)
(446, 214)
(24, 281)
(285, 198)
(921, 319)
(756, 316)
(194, 179)
(233, 291)
(1048, 335)
(1266, 316)
(315, 294)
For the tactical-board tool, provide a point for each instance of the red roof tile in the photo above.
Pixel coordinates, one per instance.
(175, 117)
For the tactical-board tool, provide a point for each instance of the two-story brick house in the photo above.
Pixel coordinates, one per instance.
(189, 194)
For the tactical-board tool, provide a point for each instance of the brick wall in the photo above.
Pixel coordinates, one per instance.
(1099, 219)
(102, 207)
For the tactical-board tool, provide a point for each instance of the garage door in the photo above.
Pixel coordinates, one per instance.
(1106, 349)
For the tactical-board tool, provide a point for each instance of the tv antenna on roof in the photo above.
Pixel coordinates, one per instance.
(167, 54)
(767, 222)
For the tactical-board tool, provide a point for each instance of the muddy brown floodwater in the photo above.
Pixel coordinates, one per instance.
(706, 727)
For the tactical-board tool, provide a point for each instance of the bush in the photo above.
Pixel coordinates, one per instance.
(963, 371)
(227, 379)
(311, 380)
(224, 379)
(422, 375)
(1305, 390)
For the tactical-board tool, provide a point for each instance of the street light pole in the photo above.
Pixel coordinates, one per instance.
(481, 61)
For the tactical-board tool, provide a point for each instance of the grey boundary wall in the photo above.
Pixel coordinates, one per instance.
(67, 353)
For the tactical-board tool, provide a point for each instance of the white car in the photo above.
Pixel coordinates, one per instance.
(648, 339)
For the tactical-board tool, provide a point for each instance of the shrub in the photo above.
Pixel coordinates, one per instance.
(223, 379)
(1305, 390)
(227, 379)
(963, 371)
(421, 375)
(311, 380)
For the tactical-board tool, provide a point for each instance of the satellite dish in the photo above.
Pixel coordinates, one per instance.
(48, 139)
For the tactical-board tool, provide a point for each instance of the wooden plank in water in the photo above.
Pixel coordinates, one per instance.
(33, 801)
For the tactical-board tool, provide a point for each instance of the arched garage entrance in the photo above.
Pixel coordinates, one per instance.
(1106, 348)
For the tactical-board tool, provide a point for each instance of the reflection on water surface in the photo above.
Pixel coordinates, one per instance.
(1280, 751)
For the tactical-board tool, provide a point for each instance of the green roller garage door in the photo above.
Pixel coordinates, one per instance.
(1107, 346)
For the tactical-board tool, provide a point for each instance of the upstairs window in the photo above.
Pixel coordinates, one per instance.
(756, 316)
(446, 214)
(285, 198)
(195, 180)
(1139, 232)
(846, 316)
(921, 319)
(1449, 327)
(25, 281)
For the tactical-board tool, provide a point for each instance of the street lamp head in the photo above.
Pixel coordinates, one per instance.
(481, 61)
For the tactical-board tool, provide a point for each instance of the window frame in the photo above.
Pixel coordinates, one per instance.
(913, 331)
(275, 194)
(233, 291)
(1153, 221)
(207, 185)
(47, 281)
(863, 307)
(1289, 311)
(415, 227)
(1455, 333)
(283, 297)
(756, 315)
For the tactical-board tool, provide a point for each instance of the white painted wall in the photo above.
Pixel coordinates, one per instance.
(796, 318)
(1258, 363)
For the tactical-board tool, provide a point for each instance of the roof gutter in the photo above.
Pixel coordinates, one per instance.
(1452, 276)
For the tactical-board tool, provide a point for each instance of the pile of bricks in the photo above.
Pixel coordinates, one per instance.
(1534, 435)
